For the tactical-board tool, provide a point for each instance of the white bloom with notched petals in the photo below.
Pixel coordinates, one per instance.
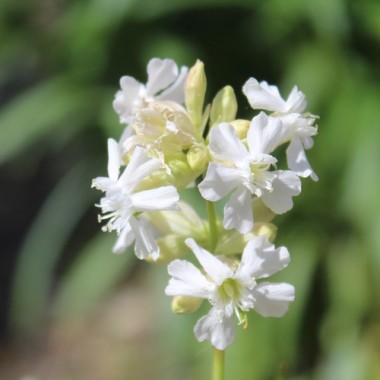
(298, 127)
(122, 205)
(232, 290)
(267, 97)
(245, 172)
(299, 131)
(165, 82)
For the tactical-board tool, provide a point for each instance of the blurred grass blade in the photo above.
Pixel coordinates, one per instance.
(92, 275)
(38, 110)
(42, 247)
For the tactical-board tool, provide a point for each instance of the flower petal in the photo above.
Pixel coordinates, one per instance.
(217, 328)
(260, 259)
(217, 270)
(219, 181)
(114, 160)
(238, 211)
(225, 145)
(161, 73)
(296, 101)
(139, 167)
(272, 299)
(124, 240)
(187, 280)
(265, 134)
(176, 91)
(297, 160)
(161, 198)
(146, 244)
(263, 96)
(128, 99)
(285, 186)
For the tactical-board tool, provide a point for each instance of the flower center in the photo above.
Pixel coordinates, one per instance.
(230, 290)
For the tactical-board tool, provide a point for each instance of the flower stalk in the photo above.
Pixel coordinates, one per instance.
(212, 222)
(218, 365)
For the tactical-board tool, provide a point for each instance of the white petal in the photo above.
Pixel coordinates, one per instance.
(146, 244)
(265, 134)
(217, 270)
(238, 211)
(162, 198)
(139, 167)
(263, 96)
(226, 145)
(219, 181)
(260, 259)
(297, 160)
(124, 240)
(161, 73)
(103, 183)
(272, 299)
(187, 280)
(285, 186)
(128, 99)
(176, 91)
(114, 159)
(296, 101)
(219, 329)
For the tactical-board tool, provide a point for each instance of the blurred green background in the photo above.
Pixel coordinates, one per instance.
(72, 310)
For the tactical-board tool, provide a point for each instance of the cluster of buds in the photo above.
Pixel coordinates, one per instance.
(173, 141)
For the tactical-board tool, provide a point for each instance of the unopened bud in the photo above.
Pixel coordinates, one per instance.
(268, 230)
(181, 172)
(195, 90)
(241, 127)
(261, 211)
(185, 304)
(224, 106)
(197, 156)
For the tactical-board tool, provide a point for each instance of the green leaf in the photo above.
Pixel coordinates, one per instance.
(40, 109)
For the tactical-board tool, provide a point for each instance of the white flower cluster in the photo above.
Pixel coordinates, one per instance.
(171, 141)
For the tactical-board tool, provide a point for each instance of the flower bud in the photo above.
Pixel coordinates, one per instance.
(224, 106)
(241, 127)
(265, 229)
(185, 304)
(181, 172)
(262, 212)
(198, 157)
(172, 247)
(195, 90)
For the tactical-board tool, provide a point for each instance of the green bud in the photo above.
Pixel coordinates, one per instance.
(265, 229)
(261, 212)
(185, 304)
(181, 172)
(241, 127)
(224, 106)
(195, 90)
(172, 247)
(198, 157)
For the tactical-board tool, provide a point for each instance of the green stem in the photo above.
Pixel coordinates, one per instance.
(218, 365)
(218, 355)
(212, 224)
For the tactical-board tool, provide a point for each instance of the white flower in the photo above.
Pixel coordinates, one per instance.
(232, 291)
(298, 129)
(165, 82)
(122, 204)
(245, 172)
(267, 97)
